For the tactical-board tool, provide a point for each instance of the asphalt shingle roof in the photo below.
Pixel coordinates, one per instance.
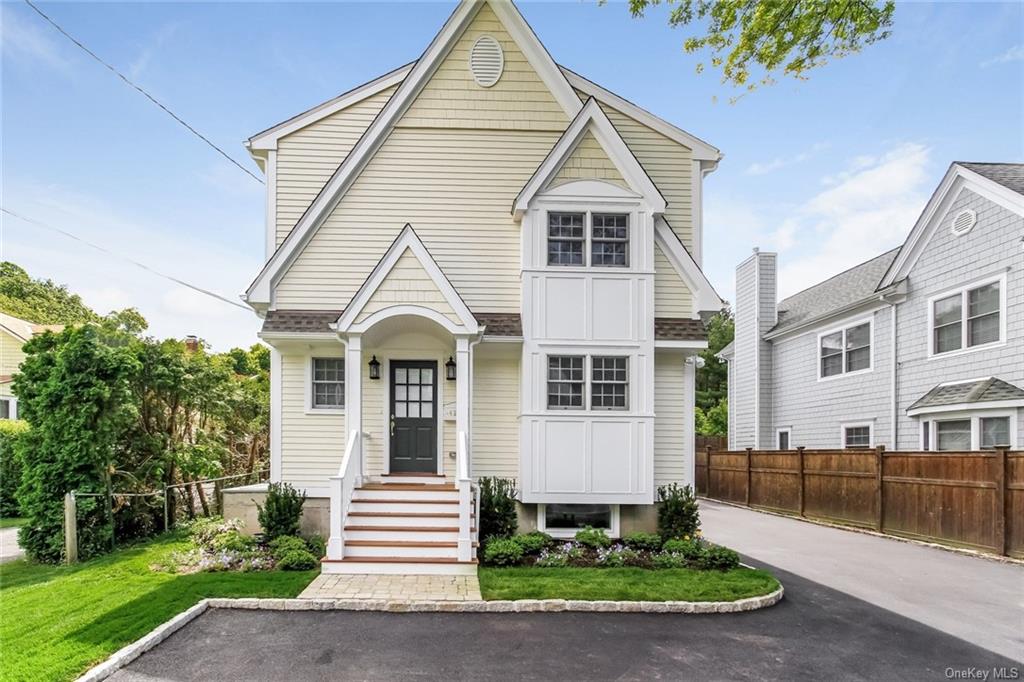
(847, 287)
(500, 324)
(300, 321)
(1009, 175)
(980, 391)
(679, 329)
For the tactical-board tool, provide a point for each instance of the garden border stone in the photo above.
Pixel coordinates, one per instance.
(132, 651)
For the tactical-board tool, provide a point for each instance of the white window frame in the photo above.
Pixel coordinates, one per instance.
(853, 425)
(588, 236)
(588, 380)
(308, 383)
(963, 290)
(870, 321)
(975, 417)
(788, 430)
(13, 406)
(568, 533)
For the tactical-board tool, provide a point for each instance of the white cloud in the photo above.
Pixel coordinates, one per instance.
(779, 162)
(29, 42)
(107, 282)
(1014, 54)
(157, 41)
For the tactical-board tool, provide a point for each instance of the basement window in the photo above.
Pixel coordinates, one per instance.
(563, 520)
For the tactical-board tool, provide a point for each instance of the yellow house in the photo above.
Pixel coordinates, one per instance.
(479, 264)
(14, 333)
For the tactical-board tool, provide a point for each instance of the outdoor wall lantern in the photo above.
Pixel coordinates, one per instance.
(374, 368)
(449, 369)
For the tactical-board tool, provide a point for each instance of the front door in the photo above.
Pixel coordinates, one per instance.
(413, 416)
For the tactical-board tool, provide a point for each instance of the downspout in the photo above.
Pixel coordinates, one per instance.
(895, 370)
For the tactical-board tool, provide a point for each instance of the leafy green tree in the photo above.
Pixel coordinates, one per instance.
(40, 301)
(714, 421)
(752, 40)
(713, 377)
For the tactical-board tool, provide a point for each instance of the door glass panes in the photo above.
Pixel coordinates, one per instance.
(413, 393)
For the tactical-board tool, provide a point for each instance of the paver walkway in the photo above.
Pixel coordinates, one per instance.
(975, 599)
(407, 587)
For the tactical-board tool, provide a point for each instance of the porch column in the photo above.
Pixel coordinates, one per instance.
(463, 377)
(354, 392)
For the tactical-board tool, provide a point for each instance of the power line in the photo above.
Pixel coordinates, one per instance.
(136, 263)
(141, 90)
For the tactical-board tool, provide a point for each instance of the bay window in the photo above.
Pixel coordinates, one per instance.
(964, 431)
(575, 381)
(584, 238)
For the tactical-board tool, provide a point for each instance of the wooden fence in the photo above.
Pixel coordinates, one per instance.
(966, 499)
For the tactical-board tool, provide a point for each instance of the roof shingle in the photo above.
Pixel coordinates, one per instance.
(967, 392)
(1009, 175)
(679, 329)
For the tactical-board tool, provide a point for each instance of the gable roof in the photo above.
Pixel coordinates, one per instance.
(260, 290)
(23, 330)
(705, 298)
(1010, 175)
(591, 118)
(967, 394)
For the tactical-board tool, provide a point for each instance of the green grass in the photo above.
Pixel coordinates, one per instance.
(57, 621)
(624, 584)
(12, 522)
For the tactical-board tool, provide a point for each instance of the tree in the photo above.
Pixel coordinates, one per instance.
(714, 421)
(40, 301)
(750, 40)
(713, 377)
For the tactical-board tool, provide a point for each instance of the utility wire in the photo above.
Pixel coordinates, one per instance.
(146, 94)
(136, 263)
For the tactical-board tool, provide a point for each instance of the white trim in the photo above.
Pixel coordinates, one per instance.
(974, 414)
(870, 423)
(962, 290)
(591, 118)
(276, 413)
(407, 239)
(337, 354)
(957, 179)
(701, 149)
(386, 359)
(705, 298)
(569, 533)
(271, 175)
(270, 337)
(966, 407)
(684, 345)
(12, 413)
(788, 430)
(261, 289)
(846, 326)
(267, 139)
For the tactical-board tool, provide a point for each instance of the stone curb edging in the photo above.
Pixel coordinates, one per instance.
(132, 651)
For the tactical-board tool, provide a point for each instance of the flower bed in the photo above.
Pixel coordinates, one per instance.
(219, 545)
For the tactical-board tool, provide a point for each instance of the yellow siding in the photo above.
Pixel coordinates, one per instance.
(408, 282)
(11, 355)
(496, 416)
(672, 297)
(518, 101)
(589, 161)
(455, 187)
(671, 419)
(308, 157)
(6, 389)
(312, 445)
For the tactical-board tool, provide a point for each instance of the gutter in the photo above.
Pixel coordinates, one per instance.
(897, 289)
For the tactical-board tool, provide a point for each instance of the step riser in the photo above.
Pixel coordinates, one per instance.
(346, 567)
(405, 507)
(418, 521)
(411, 479)
(402, 535)
(425, 494)
(397, 551)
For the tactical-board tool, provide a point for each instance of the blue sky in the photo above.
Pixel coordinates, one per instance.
(828, 172)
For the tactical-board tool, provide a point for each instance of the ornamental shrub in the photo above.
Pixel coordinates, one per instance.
(533, 543)
(678, 515)
(502, 552)
(643, 541)
(285, 544)
(497, 507)
(690, 549)
(595, 538)
(282, 512)
(664, 560)
(718, 558)
(552, 558)
(317, 545)
(297, 560)
(10, 466)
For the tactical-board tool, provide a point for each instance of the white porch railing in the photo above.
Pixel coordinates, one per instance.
(466, 497)
(349, 477)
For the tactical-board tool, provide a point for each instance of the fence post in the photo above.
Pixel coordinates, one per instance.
(800, 460)
(879, 481)
(746, 497)
(707, 472)
(166, 514)
(70, 528)
(1002, 508)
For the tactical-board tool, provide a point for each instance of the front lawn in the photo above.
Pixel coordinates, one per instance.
(624, 584)
(12, 522)
(57, 621)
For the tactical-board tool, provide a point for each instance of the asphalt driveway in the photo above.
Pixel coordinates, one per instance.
(815, 633)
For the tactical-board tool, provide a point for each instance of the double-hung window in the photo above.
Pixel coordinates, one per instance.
(609, 385)
(595, 239)
(565, 382)
(568, 382)
(845, 351)
(328, 384)
(967, 318)
(967, 432)
(857, 436)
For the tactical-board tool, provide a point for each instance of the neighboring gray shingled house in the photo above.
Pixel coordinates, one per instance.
(823, 368)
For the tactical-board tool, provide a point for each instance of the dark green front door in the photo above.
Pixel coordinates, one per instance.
(413, 416)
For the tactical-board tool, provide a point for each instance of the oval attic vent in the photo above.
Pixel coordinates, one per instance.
(964, 221)
(486, 61)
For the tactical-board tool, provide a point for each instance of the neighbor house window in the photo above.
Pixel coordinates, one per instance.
(609, 383)
(954, 434)
(328, 390)
(967, 318)
(995, 431)
(845, 350)
(563, 520)
(609, 240)
(565, 382)
(968, 432)
(783, 439)
(7, 409)
(566, 238)
(857, 436)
